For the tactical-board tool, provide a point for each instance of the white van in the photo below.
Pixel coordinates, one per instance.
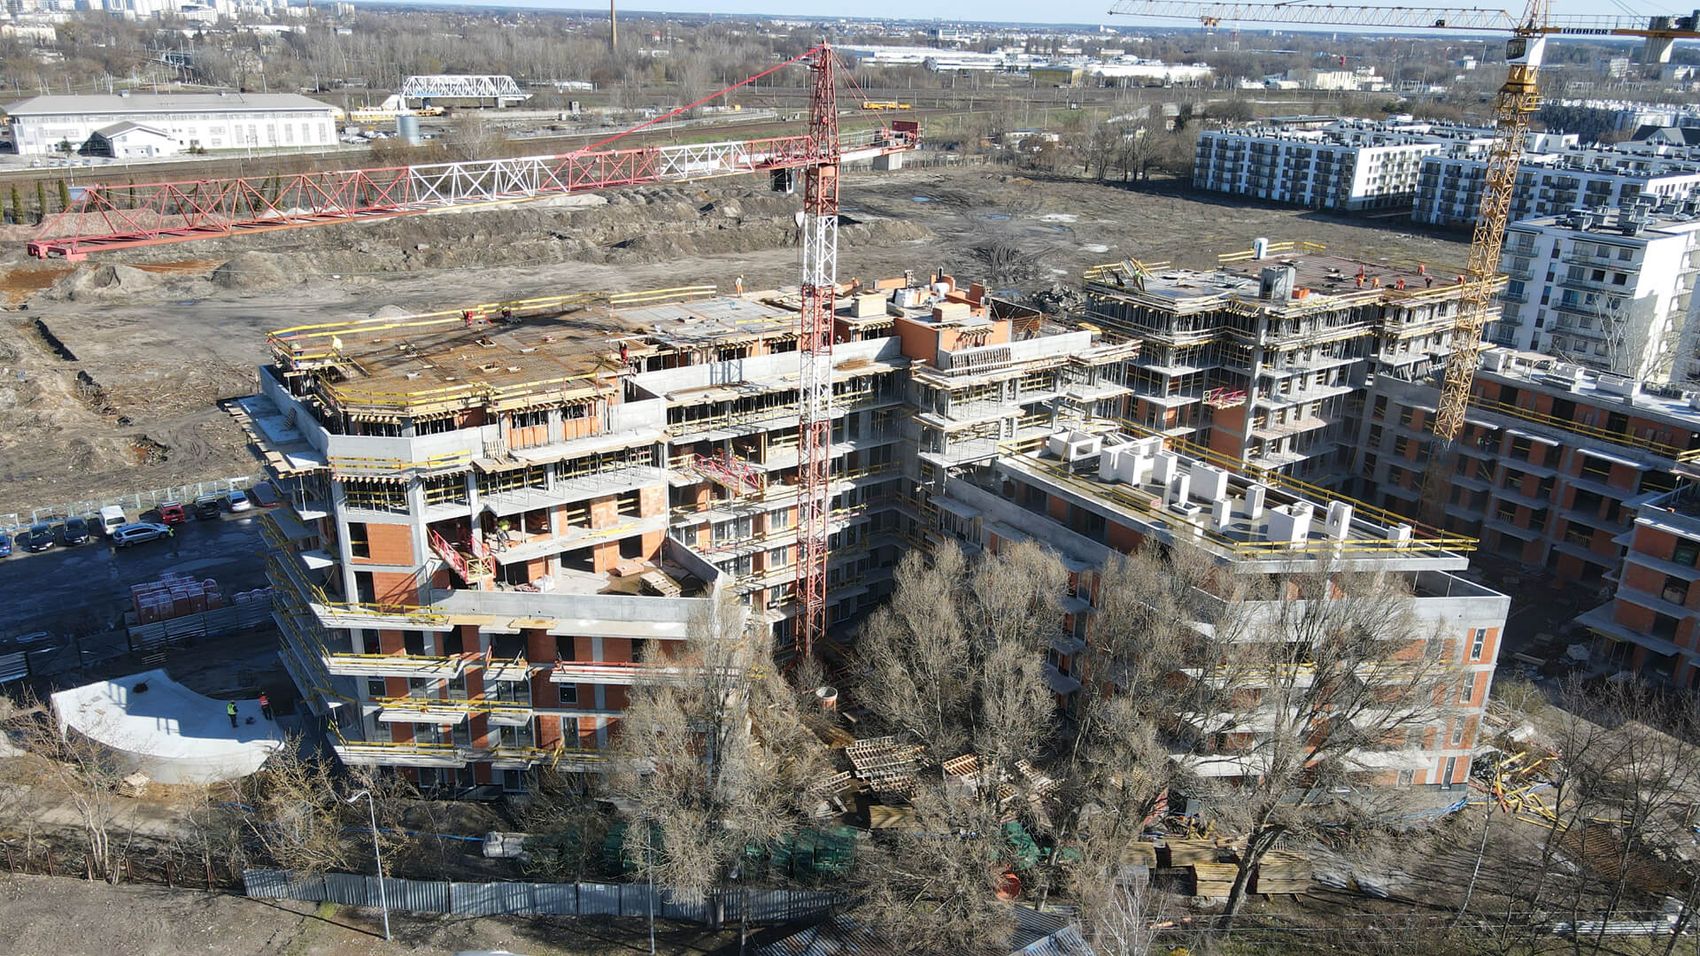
(111, 517)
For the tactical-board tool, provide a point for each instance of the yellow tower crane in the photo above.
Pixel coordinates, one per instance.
(1518, 99)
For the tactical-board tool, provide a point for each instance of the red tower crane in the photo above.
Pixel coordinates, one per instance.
(106, 216)
(118, 217)
(819, 291)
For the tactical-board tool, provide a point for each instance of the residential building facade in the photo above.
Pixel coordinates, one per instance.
(1263, 362)
(1609, 291)
(1449, 189)
(1550, 467)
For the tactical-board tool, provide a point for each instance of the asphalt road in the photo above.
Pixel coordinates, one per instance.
(85, 589)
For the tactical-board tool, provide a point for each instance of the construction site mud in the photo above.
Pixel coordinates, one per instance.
(112, 372)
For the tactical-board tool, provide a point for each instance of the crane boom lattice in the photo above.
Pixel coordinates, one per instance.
(104, 216)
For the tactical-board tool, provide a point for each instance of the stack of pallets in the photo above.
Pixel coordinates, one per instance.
(1213, 880)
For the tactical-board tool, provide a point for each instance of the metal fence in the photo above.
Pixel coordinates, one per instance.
(134, 503)
(540, 899)
(211, 623)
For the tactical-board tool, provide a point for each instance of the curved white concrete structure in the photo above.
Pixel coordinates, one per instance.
(167, 731)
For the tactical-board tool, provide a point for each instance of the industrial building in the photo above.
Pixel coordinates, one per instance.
(174, 122)
(1610, 290)
(494, 520)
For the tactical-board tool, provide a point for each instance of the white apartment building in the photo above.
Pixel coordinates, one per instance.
(205, 121)
(1449, 190)
(1611, 292)
(1346, 166)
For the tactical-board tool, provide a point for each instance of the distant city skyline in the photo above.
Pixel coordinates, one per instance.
(1077, 12)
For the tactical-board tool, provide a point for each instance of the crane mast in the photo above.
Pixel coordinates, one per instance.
(1516, 102)
(818, 293)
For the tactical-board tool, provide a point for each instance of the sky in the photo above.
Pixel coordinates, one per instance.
(1014, 11)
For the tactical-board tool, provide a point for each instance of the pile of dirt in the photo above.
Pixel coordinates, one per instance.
(106, 282)
(251, 272)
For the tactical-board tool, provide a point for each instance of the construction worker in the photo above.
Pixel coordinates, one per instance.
(265, 706)
(230, 711)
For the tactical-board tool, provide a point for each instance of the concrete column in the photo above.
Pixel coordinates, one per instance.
(1179, 488)
(1221, 514)
(1163, 472)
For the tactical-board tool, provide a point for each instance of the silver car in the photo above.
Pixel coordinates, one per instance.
(142, 531)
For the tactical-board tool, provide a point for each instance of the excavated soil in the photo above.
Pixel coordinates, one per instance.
(110, 372)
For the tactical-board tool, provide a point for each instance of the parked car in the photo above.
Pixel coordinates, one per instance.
(111, 516)
(5, 545)
(41, 536)
(208, 507)
(172, 512)
(139, 533)
(237, 500)
(75, 530)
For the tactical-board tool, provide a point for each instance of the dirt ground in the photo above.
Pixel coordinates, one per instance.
(111, 373)
(96, 919)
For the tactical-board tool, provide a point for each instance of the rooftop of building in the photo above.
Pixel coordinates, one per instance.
(417, 364)
(1318, 279)
(561, 348)
(1273, 523)
(1678, 406)
(56, 105)
(1639, 222)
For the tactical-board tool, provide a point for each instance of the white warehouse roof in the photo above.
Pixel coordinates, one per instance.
(106, 103)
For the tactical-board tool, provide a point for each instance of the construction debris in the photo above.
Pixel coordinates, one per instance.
(885, 764)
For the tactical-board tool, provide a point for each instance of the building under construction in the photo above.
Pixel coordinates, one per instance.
(1265, 359)
(497, 515)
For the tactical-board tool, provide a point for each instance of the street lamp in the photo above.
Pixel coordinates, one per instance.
(377, 853)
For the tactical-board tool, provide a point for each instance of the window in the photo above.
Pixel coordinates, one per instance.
(567, 694)
(358, 545)
(1458, 734)
(375, 496)
(1478, 643)
(1686, 552)
(375, 688)
(1407, 777)
(413, 642)
(445, 489)
(1451, 769)
(1675, 590)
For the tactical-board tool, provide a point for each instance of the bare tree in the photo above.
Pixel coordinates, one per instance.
(87, 773)
(711, 756)
(1121, 917)
(956, 659)
(301, 819)
(1295, 681)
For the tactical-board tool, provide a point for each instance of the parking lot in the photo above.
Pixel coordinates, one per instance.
(85, 589)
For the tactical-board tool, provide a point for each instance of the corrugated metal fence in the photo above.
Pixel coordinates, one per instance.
(539, 899)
